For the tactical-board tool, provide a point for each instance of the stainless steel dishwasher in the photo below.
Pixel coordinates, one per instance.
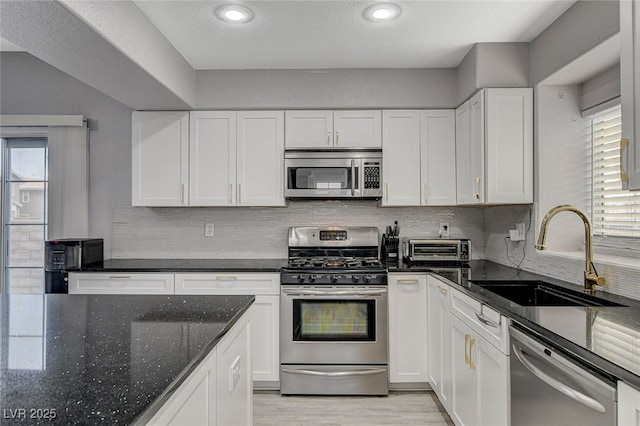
(549, 388)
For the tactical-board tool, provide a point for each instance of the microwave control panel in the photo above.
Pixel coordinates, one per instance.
(372, 175)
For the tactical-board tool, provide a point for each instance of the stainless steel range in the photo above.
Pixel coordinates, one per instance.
(333, 313)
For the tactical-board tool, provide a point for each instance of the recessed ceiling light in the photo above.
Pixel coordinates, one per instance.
(382, 12)
(234, 13)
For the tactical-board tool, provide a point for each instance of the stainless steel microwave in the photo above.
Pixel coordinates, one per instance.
(333, 173)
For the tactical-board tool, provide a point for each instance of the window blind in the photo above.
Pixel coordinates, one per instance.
(615, 212)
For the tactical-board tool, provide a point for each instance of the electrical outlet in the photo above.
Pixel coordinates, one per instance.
(518, 234)
(208, 230)
(443, 232)
(521, 230)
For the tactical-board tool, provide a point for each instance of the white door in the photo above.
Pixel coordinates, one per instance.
(476, 147)
(212, 158)
(401, 157)
(509, 145)
(493, 384)
(160, 158)
(464, 178)
(265, 340)
(438, 158)
(407, 328)
(357, 129)
(628, 405)
(309, 129)
(260, 162)
(438, 343)
(463, 376)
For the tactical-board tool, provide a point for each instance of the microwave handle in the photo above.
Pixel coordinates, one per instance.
(353, 178)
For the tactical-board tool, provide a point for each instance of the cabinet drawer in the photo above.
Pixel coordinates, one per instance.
(228, 283)
(120, 283)
(483, 319)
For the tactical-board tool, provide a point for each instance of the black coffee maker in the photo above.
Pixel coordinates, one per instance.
(68, 254)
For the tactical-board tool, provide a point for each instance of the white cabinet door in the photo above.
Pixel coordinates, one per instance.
(509, 146)
(407, 328)
(493, 383)
(628, 405)
(477, 147)
(120, 283)
(438, 158)
(401, 157)
(438, 341)
(234, 387)
(463, 391)
(265, 341)
(357, 129)
(212, 158)
(309, 129)
(464, 173)
(630, 92)
(228, 283)
(160, 158)
(260, 168)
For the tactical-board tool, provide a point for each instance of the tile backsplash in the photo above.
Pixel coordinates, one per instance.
(261, 232)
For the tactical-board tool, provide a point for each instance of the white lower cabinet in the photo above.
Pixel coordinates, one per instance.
(120, 283)
(266, 314)
(628, 405)
(438, 340)
(479, 367)
(407, 329)
(219, 391)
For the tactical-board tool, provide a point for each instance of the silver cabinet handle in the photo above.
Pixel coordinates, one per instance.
(556, 384)
(483, 318)
(329, 137)
(119, 277)
(363, 292)
(443, 290)
(386, 192)
(226, 277)
(239, 193)
(183, 198)
(624, 146)
(337, 136)
(231, 193)
(425, 190)
(477, 187)
(408, 281)
(335, 373)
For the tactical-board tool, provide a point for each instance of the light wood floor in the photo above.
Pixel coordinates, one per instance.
(399, 408)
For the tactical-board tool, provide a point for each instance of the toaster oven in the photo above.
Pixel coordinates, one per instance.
(437, 250)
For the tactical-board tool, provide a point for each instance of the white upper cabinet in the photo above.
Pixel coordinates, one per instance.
(212, 158)
(438, 158)
(260, 161)
(494, 147)
(401, 158)
(333, 129)
(419, 158)
(208, 158)
(160, 158)
(630, 93)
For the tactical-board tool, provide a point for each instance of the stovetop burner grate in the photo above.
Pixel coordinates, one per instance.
(324, 263)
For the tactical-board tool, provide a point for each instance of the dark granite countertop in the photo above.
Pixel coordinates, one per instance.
(608, 338)
(103, 359)
(187, 265)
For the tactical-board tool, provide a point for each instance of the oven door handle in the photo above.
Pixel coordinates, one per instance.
(353, 175)
(364, 292)
(556, 384)
(335, 373)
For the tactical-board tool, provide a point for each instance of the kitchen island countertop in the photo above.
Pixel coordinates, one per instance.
(108, 359)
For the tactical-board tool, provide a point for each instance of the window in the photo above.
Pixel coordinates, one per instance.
(24, 208)
(615, 212)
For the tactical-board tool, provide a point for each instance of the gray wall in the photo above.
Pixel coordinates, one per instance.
(30, 86)
(343, 88)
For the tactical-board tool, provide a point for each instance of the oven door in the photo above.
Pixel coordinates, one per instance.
(322, 177)
(333, 325)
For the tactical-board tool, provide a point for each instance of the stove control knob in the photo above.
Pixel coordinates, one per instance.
(334, 278)
(366, 279)
(301, 278)
(355, 278)
(313, 278)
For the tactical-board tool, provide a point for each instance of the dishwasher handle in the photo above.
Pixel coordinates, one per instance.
(556, 384)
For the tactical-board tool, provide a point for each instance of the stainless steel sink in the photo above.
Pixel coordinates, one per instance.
(541, 293)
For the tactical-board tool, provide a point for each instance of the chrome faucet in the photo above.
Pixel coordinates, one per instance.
(591, 278)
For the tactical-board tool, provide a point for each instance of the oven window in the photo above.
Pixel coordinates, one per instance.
(319, 178)
(329, 320)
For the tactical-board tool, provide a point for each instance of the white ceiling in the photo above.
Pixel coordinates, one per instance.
(316, 34)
